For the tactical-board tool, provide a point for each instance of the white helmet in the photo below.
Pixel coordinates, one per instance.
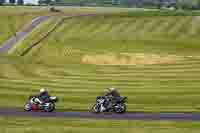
(111, 89)
(43, 90)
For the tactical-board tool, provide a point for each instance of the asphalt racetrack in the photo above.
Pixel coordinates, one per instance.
(110, 116)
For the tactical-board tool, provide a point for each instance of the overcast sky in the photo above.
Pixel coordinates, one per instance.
(31, 1)
(28, 1)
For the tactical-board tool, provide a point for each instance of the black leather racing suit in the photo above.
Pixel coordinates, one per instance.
(114, 95)
(41, 98)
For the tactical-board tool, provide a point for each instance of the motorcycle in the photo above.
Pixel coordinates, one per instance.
(33, 105)
(117, 105)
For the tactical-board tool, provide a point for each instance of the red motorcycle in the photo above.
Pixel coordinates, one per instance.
(34, 105)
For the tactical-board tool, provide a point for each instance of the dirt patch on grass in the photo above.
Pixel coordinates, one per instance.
(129, 59)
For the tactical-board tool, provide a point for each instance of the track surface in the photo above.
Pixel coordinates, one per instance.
(88, 115)
(22, 34)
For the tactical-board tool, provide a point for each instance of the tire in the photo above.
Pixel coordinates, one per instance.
(121, 109)
(95, 108)
(50, 108)
(28, 107)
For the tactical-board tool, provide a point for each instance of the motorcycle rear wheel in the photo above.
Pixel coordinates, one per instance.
(27, 107)
(95, 109)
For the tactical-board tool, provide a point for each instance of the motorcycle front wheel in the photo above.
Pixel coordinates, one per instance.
(50, 107)
(121, 108)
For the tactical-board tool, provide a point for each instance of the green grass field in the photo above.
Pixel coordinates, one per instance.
(51, 125)
(153, 59)
(13, 19)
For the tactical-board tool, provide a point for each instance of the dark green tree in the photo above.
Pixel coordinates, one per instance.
(2, 2)
(188, 4)
(20, 2)
(46, 2)
(12, 1)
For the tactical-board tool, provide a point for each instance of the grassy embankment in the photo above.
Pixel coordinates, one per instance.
(13, 19)
(51, 125)
(154, 60)
(65, 63)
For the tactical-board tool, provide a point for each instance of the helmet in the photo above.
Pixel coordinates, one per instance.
(43, 90)
(111, 89)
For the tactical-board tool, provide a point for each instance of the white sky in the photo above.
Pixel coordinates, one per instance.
(28, 1)
(31, 1)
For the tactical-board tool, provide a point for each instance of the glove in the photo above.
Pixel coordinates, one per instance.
(37, 100)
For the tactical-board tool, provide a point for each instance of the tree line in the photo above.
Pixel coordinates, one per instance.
(177, 4)
(12, 2)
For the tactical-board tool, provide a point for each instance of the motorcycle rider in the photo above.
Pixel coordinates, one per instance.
(42, 97)
(114, 94)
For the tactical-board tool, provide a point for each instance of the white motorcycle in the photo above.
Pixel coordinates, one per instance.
(33, 104)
